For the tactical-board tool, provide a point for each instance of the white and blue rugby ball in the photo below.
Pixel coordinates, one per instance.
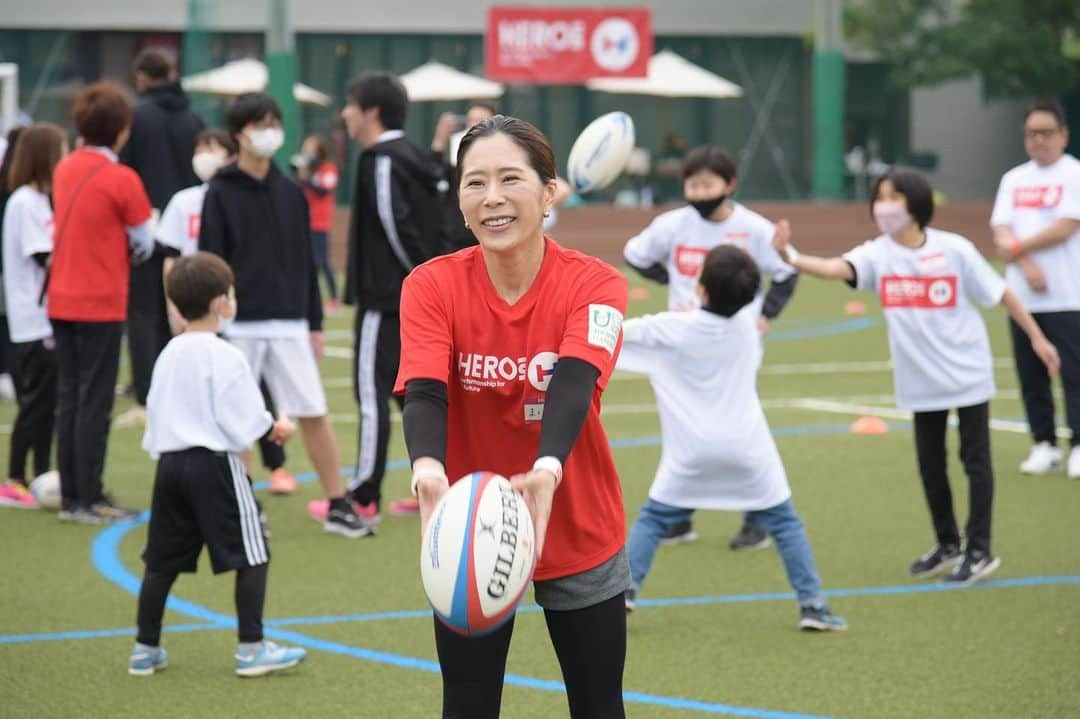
(600, 152)
(478, 554)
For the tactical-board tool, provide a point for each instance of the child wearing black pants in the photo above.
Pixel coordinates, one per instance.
(203, 409)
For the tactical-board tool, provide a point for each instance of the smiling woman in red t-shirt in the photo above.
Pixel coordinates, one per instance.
(482, 333)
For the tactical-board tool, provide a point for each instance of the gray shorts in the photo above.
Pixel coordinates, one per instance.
(587, 588)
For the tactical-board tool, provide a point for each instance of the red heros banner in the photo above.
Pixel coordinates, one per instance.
(567, 45)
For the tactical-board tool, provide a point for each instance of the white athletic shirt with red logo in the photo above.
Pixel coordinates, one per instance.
(681, 238)
(1030, 199)
(497, 361)
(717, 452)
(179, 224)
(940, 349)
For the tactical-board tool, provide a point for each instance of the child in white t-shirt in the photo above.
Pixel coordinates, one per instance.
(699, 361)
(203, 409)
(672, 248)
(927, 280)
(27, 246)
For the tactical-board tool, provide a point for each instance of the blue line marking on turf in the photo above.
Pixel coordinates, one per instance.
(105, 558)
(833, 328)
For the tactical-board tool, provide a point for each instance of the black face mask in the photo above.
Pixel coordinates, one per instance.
(705, 208)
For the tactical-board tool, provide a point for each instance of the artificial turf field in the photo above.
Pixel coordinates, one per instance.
(715, 631)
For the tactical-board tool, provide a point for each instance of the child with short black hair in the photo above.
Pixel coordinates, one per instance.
(204, 408)
(698, 361)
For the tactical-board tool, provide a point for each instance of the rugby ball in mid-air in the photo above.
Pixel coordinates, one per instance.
(600, 152)
(478, 554)
(46, 489)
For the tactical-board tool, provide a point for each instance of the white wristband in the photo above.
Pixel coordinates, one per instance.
(792, 255)
(550, 464)
(429, 473)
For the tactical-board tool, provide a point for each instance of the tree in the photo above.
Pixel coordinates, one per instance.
(1015, 46)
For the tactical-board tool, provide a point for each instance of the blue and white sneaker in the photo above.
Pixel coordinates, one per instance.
(269, 658)
(144, 662)
(820, 619)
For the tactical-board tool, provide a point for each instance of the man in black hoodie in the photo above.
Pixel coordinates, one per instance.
(396, 225)
(160, 147)
(256, 218)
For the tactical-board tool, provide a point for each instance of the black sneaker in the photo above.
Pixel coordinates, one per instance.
(679, 532)
(82, 515)
(976, 566)
(630, 595)
(820, 619)
(346, 522)
(750, 536)
(111, 511)
(937, 560)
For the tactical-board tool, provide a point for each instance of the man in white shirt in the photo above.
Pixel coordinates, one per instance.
(697, 361)
(1036, 223)
(672, 248)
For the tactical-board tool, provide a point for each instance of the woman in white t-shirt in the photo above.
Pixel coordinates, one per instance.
(27, 245)
(927, 281)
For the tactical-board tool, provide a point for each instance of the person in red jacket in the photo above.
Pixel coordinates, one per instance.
(319, 178)
(102, 216)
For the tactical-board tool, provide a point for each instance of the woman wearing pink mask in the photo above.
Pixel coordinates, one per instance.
(929, 282)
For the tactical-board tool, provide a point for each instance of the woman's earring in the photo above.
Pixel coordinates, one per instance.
(467, 226)
(547, 213)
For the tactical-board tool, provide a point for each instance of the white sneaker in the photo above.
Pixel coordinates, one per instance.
(1044, 458)
(1074, 463)
(7, 387)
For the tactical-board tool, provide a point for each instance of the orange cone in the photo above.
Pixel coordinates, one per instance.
(869, 424)
(855, 308)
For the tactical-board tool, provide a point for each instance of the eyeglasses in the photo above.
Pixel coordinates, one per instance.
(1043, 133)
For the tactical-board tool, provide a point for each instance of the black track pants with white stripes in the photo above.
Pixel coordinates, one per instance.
(377, 354)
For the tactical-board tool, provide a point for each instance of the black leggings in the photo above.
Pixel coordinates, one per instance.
(590, 644)
(930, 447)
(250, 595)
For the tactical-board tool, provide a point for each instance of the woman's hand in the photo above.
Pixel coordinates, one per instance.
(538, 488)
(429, 486)
(1048, 354)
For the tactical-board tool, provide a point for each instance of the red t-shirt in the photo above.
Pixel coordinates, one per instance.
(497, 360)
(90, 267)
(321, 207)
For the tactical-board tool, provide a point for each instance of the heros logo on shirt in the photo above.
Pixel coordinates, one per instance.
(479, 371)
(193, 222)
(605, 323)
(1037, 197)
(914, 292)
(688, 260)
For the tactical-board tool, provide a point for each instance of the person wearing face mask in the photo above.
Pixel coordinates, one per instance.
(1036, 223)
(671, 251)
(163, 132)
(256, 218)
(319, 178)
(203, 410)
(929, 282)
(177, 233)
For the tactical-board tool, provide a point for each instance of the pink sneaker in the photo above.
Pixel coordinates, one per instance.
(318, 509)
(15, 494)
(282, 482)
(405, 507)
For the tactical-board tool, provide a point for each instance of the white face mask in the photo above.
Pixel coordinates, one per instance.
(891, 217)
(267, 141)
(207, 163)
(224, 322)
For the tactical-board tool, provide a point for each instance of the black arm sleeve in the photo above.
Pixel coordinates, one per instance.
(568, 398)
(424, 419)
(778, 296)
(656, 273)
(854, 281)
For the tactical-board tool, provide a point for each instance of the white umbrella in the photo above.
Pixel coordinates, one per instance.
(248, 75)
(435, 81)
(670, 75)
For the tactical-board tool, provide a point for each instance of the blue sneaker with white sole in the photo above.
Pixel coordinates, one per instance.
(145, 661)
(269, 658)
(820, 619)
